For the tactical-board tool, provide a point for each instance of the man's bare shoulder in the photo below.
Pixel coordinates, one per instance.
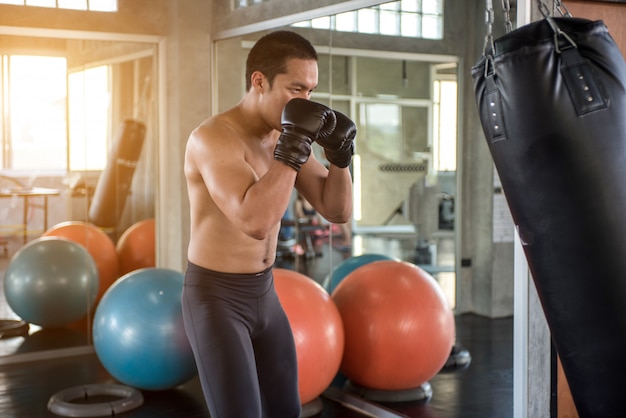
(218, 133)
(216, 127)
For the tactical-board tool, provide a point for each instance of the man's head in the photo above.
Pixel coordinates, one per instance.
(272, 51)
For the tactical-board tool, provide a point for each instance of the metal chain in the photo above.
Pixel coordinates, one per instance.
(506, 6)
(543, 9)
(560, 7)
(557, 6)
(489, 14)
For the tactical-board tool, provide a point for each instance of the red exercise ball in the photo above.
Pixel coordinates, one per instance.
(399, 328)
(136, 247)
(97, 243)
(317, 330)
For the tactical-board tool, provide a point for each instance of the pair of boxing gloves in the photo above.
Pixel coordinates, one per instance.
(303, 122)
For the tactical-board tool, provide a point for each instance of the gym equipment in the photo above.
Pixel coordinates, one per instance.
(97, 243)
(136, 247)
(399, 328)
(317, 330)
(10, 328)
(360, 405)
(552, 99)
(61, 402)
(338, 273)
(113, 187)
(51, 281)
(341, 270)
(138, 331)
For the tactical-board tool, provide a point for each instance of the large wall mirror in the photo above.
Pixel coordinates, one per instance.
(79, 134)
(405, 103)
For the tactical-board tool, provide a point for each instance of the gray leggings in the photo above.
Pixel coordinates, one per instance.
(242, 343)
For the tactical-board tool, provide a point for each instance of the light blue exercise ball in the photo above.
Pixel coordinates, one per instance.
(51, 282)
(138, 331)
(348, 265)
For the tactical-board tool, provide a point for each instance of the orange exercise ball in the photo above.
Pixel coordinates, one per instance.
(317, 330)
(136, 247)
(399, 327)
(97, 243)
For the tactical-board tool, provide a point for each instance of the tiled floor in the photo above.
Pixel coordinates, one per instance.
(482, 390)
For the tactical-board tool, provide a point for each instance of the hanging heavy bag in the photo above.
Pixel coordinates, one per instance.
(109, 200)
(552, 102)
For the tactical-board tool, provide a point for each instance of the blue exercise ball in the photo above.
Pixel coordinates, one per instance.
(138, 331)
(51, 282)
(350, 264)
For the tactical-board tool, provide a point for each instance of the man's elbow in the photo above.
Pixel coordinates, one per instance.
(340, 217)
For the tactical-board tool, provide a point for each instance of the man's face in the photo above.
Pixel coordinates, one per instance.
(299, 81)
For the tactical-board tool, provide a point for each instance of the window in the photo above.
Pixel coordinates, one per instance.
(36, 112)
(90, 118)
(91, 5)
(408, 18)
(34, 116)
(445, 92)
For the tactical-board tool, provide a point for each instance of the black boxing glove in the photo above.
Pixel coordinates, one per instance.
(302, 121)
(339, 145)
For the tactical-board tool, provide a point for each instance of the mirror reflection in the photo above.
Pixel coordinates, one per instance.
(404, 170)
(77, 182)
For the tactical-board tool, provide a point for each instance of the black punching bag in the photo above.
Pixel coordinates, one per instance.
(552, 102)
(114, 183)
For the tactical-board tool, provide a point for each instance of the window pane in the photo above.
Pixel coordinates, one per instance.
(389, 23)
(42, 3)
(410, 6)
(395, 5)
(103, 5)
(410, 25)
(434, 7)
(346, 22)
(18, 2)
(303, 24)
(446, 136)
(321, 23)
(431, 27)
(73, 4)
(383, 133)
(89, 106)
(38, 112)
(367, 21)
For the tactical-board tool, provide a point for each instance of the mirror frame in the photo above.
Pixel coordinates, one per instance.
(159, 43)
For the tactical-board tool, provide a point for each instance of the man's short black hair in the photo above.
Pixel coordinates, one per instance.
(271, 52)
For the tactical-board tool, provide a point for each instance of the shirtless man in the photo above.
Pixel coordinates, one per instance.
(241, 167)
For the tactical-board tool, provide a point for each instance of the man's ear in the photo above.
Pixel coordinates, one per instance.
(258, 81)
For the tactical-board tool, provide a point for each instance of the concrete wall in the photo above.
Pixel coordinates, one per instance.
(485, 278)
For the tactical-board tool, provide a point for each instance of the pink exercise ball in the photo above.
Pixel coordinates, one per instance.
(136, 247)
(317, 330)
(399, 327)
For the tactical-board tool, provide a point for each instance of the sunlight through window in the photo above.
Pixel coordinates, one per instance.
(44, 105)
(408, 18)
(37, 103)
(90, 105)
(91, 5)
